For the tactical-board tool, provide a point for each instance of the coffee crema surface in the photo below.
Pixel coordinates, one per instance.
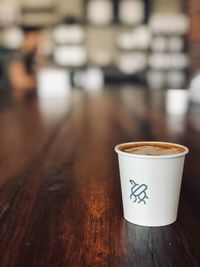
(152, 149)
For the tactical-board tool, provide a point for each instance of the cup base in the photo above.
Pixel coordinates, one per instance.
(150, 224)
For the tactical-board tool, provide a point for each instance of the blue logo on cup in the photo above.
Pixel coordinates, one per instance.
(138, 192)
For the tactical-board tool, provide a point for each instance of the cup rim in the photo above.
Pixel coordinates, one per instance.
(177, 155)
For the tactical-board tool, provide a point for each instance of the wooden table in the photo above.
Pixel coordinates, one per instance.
(60, 199)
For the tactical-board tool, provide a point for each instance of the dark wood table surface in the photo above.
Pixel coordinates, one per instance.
(60, 198)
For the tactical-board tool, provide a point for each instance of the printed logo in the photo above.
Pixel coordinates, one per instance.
(138, 192)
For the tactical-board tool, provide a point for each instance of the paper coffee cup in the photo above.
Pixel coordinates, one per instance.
(150, 185)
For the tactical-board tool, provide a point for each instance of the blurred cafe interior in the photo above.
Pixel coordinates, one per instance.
(78, 77)
(154, 43)
(52, 47)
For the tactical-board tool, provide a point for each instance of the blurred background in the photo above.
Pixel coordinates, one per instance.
(88, 44)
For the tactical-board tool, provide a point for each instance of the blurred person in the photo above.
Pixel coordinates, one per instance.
(22, 67)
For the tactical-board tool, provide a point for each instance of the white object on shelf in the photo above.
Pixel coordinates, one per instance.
(159, 44)
(156, 79)
(177, 101)
(139, 38)
(159, 61)
(131, 11)
(100, 12)
(131, 62)
(70, 55)
(64, 34)
(90, 79)
(168, 61)
(169, 23)
(53, 82)
(12, 38)
(125, 41)
(175, 44)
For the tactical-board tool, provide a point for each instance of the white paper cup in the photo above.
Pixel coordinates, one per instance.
(150, 185)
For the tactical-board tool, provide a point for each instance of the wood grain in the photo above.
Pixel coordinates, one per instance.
(60, 199)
